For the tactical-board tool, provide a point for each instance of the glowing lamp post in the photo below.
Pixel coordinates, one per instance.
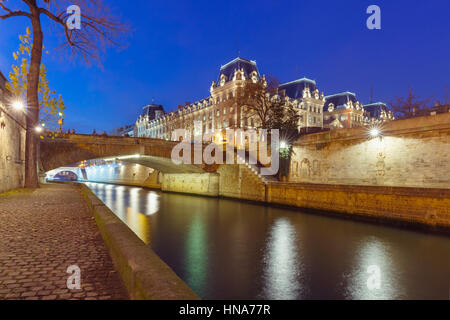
(18, 105)
(60, 121)
(374, 132)
(39, 129)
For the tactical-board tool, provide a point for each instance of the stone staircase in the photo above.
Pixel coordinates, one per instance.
(254, 166)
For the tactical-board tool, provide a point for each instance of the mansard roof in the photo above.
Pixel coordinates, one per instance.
(239, 63)
(339, 100)
(149, 110)
(374, 109)
(294, 89)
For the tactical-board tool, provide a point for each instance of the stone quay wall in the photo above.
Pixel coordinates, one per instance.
(409, 153)
(419, 206)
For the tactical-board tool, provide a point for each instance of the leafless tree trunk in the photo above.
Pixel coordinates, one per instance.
(31, 177)
(98, 27)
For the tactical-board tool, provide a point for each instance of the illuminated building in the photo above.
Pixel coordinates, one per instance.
(343, 110)
(219, 111)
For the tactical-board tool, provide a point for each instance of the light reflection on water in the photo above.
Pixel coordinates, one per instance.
(226, 249)
(282, 263)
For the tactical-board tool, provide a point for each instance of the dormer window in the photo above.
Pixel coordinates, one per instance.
(223, 79)
(254, 76)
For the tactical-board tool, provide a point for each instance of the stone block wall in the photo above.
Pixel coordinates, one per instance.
(238, 181)
(409, 153)
(12, 149)
(420, 206)
(206, 184)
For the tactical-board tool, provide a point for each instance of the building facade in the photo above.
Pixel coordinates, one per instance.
(219, 111)
(12, 141)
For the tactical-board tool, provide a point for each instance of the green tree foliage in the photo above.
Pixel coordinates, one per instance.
(51, 105)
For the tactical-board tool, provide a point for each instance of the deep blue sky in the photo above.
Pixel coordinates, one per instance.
(178, 47)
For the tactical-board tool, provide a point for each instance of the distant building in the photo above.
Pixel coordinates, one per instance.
(304, 94)
(127, 130)
(149, 113)
(343, 110)
(219, 111)
(378, 112)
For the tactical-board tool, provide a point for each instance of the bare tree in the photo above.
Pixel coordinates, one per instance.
(99, 28)
(407, 107)
(263, 103)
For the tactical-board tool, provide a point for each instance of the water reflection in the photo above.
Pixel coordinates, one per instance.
(196, 255)
(139, 224)
(120, 208)
(152, 203)
(373, 275)
(227, 249)
(281, 262)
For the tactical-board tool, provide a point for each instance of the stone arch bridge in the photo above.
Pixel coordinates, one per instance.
(154, 153)
(241, 180)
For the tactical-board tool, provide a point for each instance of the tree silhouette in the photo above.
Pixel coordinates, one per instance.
(407, 107)
(99, 28)
(262, 102)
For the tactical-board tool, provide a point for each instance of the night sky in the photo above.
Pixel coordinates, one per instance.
(177, 48)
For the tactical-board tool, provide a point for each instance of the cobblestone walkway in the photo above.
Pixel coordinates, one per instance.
(42, 233)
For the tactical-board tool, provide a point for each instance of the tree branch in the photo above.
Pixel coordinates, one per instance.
(11, 13)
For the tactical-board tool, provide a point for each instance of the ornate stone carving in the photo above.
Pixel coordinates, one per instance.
(349, 104)
(223, 79)
(306, 93)
(254, 77)
(380, 165)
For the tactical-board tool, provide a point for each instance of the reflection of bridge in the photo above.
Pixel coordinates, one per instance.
(153, 153)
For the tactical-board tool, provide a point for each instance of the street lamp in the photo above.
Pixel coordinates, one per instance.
(38, 129)
(374, 132)
(60, 121)
(18, 105)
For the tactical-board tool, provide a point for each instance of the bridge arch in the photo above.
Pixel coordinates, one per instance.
(52, 174)
(153, 153)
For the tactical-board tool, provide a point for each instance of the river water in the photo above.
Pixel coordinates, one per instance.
(226, 249)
